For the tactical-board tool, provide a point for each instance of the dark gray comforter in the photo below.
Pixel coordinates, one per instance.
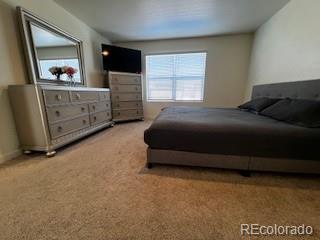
(230, 132)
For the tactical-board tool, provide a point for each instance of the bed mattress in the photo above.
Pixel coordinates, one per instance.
(230, 131)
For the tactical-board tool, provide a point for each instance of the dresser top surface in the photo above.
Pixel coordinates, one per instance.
(67, 88)
(124, 73)
(64, 88)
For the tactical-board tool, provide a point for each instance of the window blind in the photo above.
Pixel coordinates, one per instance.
(175, 77)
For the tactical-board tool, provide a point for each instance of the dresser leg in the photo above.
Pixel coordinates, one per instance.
(51, 153)
(27, 152)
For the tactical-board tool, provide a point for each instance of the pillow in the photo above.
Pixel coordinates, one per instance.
(258, 104)
(301, 112)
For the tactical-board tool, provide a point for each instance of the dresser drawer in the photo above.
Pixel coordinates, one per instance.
(84, 96)
(123, 114)
(63, 112)
(66, 127)
(55, 97)
(126, 88)
(124, 105)
(100, 117)
(123, 79)
(126, 97)
(100, 106)
(104, 96)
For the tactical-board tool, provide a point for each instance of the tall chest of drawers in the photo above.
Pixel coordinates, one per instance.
(126, 96)
(48, 117)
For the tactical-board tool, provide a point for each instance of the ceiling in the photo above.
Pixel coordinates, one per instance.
(131, 20)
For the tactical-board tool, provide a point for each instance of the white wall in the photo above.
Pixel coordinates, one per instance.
(287, 47)
(226, 70)
(13, 67)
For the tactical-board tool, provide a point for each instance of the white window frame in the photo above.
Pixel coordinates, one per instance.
(173, 100)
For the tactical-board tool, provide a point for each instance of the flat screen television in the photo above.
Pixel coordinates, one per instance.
(121, 59)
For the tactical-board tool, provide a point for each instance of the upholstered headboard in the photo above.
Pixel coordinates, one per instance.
(302, 89)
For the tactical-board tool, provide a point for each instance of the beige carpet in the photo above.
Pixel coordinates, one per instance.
(98, 188)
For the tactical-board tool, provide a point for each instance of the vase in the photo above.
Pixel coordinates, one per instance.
(71, 81)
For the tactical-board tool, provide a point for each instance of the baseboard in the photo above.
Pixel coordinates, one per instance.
(10, 155)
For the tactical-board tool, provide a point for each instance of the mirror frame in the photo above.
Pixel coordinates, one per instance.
(27, 18)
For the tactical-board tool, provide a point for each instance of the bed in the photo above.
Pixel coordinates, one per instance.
(235, 139)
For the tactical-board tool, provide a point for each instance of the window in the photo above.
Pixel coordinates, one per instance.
(175, 77)
(46, 64)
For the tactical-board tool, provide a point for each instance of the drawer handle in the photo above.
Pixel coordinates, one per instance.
(94, 118)
(137, 112)
(118, 114)
(58, 113)
(107, 105)
(59, 129)
(78, 96)
(84, 121)
(58, 97)
(137, 104)
(136, 79)
(93, 107)
(136, 89)
(82, 109)
(107, 114)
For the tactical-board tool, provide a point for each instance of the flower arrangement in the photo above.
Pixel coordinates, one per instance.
(58, 71)
(70, 71)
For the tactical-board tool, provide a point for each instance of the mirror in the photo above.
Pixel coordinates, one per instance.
(53, 56)
(54, 51)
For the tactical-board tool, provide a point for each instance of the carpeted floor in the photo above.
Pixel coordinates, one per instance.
(98, 188)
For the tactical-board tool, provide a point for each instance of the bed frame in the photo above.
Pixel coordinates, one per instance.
(302, 89)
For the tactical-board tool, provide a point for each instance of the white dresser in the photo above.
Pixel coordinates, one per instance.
(126, 96)
(48, 117)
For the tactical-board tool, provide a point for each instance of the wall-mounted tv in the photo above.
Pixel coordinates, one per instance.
(121, 59)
